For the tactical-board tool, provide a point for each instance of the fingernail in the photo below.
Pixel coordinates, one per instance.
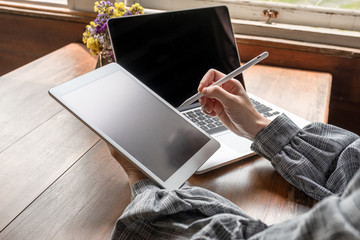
(206, 109)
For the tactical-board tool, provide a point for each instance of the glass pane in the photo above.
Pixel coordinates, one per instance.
(345, 4)
(61, 2)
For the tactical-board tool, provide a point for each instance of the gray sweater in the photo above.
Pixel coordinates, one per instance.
(321, 160)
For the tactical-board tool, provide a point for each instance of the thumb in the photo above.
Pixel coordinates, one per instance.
(219, 94)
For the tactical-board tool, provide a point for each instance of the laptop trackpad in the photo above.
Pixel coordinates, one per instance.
(239, 144)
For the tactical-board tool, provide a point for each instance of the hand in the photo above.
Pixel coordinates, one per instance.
(134, 174)
(231, 105)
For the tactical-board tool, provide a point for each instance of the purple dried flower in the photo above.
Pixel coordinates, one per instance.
(127, 12)
(103, 28)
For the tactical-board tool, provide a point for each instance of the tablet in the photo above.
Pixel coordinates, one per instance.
(162, 143)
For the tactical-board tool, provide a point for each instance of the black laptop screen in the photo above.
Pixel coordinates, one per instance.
(171, 51)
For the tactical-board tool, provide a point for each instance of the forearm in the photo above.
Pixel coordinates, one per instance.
(332, 218)
(318, 159)
(186, 213)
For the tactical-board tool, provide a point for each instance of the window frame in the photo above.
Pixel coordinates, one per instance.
(42, 3)
(339, 27)
(288, 13)
(293, 22)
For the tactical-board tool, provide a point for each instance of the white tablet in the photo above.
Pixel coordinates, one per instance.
(162, 143)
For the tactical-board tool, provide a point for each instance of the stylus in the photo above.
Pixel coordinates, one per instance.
(231, 75)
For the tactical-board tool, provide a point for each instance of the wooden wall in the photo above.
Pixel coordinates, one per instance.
(29, 33)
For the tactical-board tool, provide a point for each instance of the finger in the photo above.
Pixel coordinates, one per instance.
(112, 149)
(219, 94)
(233, 86)
(202, 101)
(210, 113)
(117, 154)
(207, 105)
(209, 78)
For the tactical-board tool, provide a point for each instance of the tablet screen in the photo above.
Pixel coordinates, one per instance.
(120, 108)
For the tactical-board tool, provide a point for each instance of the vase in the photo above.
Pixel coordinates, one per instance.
(101, 61)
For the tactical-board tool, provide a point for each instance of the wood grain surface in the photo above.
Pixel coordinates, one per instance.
(39, 140)
(293, 90)
(58, 180)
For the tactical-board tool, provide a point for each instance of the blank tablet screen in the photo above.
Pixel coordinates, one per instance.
(126, 112)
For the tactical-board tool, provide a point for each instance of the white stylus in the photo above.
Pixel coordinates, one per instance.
(231, 75)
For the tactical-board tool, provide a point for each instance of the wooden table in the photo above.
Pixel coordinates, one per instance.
(58, 180)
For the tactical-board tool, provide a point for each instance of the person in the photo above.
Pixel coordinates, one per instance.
(322, 160)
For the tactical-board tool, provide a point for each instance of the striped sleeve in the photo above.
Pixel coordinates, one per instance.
(187, 213)
(319, 159)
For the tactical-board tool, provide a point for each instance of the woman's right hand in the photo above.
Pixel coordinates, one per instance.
(230, 103)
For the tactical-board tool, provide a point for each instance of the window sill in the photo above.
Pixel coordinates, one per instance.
(43, 11)
(318, 35)
(342, 38)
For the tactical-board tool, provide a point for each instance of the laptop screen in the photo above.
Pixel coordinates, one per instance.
(171, 51)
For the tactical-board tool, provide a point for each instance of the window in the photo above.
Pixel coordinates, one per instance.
(318, 21)
(63, 2)
(45, 2)
(318, 14)
(347, 4)
(84, 5)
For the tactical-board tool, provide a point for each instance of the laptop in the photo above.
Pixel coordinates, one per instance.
(171, 51)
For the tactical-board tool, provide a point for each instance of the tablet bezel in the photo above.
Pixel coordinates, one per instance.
(178, 178)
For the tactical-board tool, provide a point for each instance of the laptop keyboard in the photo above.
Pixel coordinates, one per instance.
(263, 109)
(212, 124)
(206, 122)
